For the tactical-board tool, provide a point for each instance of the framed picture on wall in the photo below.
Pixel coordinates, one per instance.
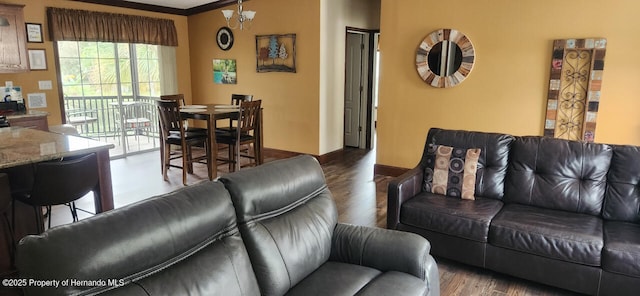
(37, 59)
(224, 71)
(276, 53)
(34, 33)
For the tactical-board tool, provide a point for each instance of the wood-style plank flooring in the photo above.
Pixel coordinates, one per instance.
(361, 199)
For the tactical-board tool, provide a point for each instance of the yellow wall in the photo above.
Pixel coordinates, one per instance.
(299, 116)
(35, 12)
(290, 100)
(303, 111)
(506, 91)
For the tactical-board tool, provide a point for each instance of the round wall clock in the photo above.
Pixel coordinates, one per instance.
(224, 38)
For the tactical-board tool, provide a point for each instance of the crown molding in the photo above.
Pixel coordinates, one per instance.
(163, 9)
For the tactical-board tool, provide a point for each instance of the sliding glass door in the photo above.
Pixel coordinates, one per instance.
(109, 91)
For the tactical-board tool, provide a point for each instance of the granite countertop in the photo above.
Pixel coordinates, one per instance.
(20, 146)
(29, 113)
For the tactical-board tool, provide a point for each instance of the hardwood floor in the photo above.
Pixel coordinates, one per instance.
(361, 199)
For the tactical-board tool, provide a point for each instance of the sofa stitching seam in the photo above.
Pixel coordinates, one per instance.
(286, 208)
(133, 278)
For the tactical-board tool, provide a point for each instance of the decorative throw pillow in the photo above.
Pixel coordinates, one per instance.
(451, 171)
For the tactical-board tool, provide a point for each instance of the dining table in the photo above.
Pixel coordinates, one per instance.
(211, 113)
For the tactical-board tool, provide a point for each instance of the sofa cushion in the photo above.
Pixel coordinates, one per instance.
(350, 279)
(345, 279)
(462, 218)
(558, 174)
(395, 283)
(219, 267)
(622, 199)
(451, 171)
(560, 235)
(492, 163)
(621, 248)
(162, 243)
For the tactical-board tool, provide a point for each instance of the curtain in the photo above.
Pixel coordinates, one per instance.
(83, 25)
(168, 70)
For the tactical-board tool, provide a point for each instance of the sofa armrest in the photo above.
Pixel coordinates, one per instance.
(401, 189)
(385, 250)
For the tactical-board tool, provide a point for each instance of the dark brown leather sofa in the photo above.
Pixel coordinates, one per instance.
(562, 213)
(270, 230)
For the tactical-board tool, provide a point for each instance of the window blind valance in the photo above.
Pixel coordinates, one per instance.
(84, 25)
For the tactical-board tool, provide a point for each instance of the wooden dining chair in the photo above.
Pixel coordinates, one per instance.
(236, 100)
(173, 133)
(177, 97)
(244, 133)
(181, 102)
(192, 129)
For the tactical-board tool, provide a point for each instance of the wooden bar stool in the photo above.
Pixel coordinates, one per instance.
(244, 133)
(173, 133)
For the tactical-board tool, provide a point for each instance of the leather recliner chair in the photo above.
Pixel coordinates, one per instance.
(297, 246)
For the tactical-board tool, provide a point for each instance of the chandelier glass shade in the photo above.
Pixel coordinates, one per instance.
(242, 20)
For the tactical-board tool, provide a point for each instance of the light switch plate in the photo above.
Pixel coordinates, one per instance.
(8, 83)
(45, 84)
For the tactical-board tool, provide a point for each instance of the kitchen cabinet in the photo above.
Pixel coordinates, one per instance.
(30, 119)
(13, 44)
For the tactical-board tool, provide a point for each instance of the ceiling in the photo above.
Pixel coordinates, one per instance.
(182, 4)
(181, 7)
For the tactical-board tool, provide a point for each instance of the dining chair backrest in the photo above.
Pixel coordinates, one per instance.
(249, 113)
(169, 116)
(236, 99)
(63, 181)
(177, 97)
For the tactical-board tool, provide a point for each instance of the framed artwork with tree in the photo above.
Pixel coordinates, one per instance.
(276, 53)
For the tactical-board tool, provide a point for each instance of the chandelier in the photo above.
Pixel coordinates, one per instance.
(243, 17)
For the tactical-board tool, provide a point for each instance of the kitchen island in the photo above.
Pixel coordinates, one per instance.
(22, 147)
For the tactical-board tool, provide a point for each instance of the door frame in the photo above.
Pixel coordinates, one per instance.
(366, 142)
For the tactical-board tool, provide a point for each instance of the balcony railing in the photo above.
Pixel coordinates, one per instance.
(103, 114)
(105, 119)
